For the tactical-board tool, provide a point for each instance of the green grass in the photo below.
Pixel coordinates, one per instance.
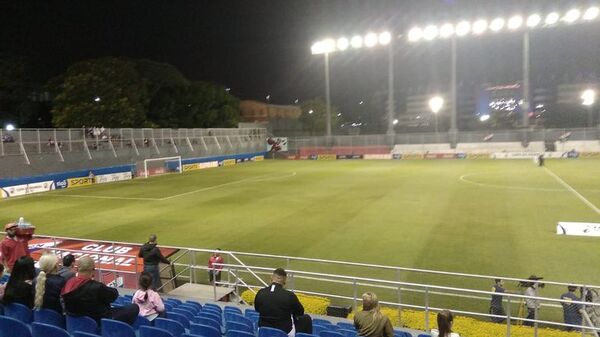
(500, 221)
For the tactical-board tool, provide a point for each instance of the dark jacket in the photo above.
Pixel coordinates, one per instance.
(151, 254)
(276, 307)
(66, 272)
(86, 297)
(54, 285)
(21, 292)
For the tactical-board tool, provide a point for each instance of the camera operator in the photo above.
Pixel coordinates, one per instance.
(531, 303)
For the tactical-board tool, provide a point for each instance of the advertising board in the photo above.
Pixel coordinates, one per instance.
(228, 162)
(377, 156)
(19, 190)
(109, 178)
(79, 182)
(326, 157)
(439, 156)
(259, 158)
(578, 228)
(349, 156)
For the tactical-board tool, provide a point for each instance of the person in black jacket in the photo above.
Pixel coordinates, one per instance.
(83, 296)
(19, 288)
(48, 284)
(276, 305)
(152, 257)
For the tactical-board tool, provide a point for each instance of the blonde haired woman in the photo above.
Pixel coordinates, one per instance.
(48, 284)
(370, 322)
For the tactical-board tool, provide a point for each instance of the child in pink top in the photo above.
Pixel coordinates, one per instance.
(150, 303)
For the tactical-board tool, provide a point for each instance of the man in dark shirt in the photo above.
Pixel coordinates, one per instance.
(152, 257)
(571, 312)
(496, 307)
(276, 305)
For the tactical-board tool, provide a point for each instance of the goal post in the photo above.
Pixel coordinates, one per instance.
(163, 165)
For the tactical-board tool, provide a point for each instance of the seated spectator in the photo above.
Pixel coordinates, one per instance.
(444, 321)
(19, 288)
(66, 271)
(48, 284)
(84, 296)
(149, 301)
(370, 322)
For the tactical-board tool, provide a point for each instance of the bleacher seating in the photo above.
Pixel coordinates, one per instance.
(47, 330)
(422, 148)
(10, 327)
(83, 324)
(150, 331)
(19, 312)
(176, 328)
(112, 328)
(578, 145)
(47, 316)
(490, 147)
(536, 147)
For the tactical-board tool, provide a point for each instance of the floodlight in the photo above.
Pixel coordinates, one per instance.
(430, 32)
(479, 27)
(310, 112)
(385, 38)
(436, 103)
(342, 43)
(533, 20)
(415, 34)
(463, 28)
(588, 97)
(515, 22)
(9, 127)
(356, 41)
(370, 40)
(591, 13)
(552, 18)
(323, 47)
(484, 118)
(97, 99)
(395, 121)
(447, 30)
(497, 24)
(572, 15)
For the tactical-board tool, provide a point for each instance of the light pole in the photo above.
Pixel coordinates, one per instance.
(436, 103)
(588, 99)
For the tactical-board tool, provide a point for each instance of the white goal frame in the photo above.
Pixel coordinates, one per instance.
(165, 159)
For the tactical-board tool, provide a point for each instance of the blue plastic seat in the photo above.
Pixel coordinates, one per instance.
(189, 307)
(169, 306)
(211, 315)
(141, 321)
(320, 321)
(10, 327)
(207, 321)
(318, 328)
(213, 306)
(112, 328)
(84, 334)
(271, 332)
(328, 333)
(174, 300)
(212, 311)
(204, 330)
(182, 319)
(150, 331)
(81, 323)
(232, 317)
(48, 316)
(188, 314)
(231, 325)
(348, 332)
(233, 309)
(174, 327)
(238, 333)
(251, 312)
(47, 330)
(194, 303)
(331, 327)
(424, 335)
(301, 334)
(190, 335)
(346, 325)
(19, 312)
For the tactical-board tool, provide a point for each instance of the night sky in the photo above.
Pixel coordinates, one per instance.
(260, 47)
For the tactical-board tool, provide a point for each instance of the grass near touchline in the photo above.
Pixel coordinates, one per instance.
(499, 220)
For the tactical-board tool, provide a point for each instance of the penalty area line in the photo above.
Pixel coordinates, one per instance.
(572, 190)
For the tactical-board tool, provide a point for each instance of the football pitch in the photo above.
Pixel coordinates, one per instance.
(472, 216)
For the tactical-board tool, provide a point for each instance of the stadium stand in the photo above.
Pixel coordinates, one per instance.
(489, 147)
(578, 145)
(422, 148)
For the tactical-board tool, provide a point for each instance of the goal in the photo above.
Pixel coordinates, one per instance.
(160, 166)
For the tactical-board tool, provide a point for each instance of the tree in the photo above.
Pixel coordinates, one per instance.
(314, 116)
(105, 91)
(209, 105)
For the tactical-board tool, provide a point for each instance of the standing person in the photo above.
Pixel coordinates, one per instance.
(48, 284)
(66, 271)
(532, 304)
(370, 322)
(276, 305)
(571, 311)
(214, 272)
(84, 296)
(12, 247)
(2, 286)
(445, 319)
(152, 257)
(496, 307)
(541, 160)
(19, 288)
(149, 301)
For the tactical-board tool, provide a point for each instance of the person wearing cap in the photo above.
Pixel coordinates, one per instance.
(531, 303)
(571, 311)
(12, 248)
(277, 305)
(214, 272)
(496, 307)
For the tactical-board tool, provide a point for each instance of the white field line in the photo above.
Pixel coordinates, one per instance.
(577, 194)
(504, 187)
(83, 196)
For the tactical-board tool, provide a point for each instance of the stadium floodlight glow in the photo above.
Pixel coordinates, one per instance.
(343, 43)
(572, 15)
(484, 118)
(497, 24)
(385, 38)
(446, 30)
(534, 20)
(588, 97)
(9, 127)
(356, 41)
(463, 28)
(370, 40)
(591, 13)
(310, 112)
(395, 122)
(323, 47)
(479, 27)
(430, 32)
(515, 22)
(415, 34)
(552, 18)
(436, 103)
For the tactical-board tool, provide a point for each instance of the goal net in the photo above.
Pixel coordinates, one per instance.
(160, 166)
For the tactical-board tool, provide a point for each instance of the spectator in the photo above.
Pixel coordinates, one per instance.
(370, 322)
(12, 247)
(66, 271)
(19, 288)
(532, 304)
(214, 272)
(276, 305)
(84, 296)
(445, 320)
(571, 311)
(496, 307)
(152, 257)
(2, 286)
(48, 284)
(149, 301)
